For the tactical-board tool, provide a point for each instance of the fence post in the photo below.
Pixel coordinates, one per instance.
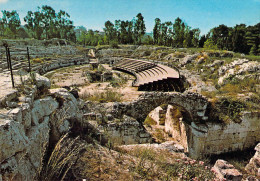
(7, 61)
(10, 64)
(29, 62)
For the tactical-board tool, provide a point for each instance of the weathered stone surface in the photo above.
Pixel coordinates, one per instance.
(170, 146)
(236, 68)
(223, 170)
(253, 166)
(189, 59)
(12, 139)
(125, 131)
(155, 114)
(6, 97)
(141, 107)
(39, 140)
(68, 110)
(43, 107)
(36, 79)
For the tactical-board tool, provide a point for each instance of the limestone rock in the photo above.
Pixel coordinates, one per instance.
(253, 166)
(189, 59)
(8, 97)
(39, 140)
(68, 111)
(236, 69)
(37, 79)
(12, 138)
(43, 107)
(170, 146)
(216, 63)
(223, 170)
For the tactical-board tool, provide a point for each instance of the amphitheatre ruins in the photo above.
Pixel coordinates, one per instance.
(55, 95)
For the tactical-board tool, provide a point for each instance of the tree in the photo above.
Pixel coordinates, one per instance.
(253, 39)
(123, 32)
(64, 25)
(11, 21)
(220, 36)
(139, 28)
(156, 30)
(110, 30)
(129, 29)
(34, 24)
(202, 41)
(196, 37)
(238, 39)
(21, 33)
(209, 44)
(48, 20)
(178, 30)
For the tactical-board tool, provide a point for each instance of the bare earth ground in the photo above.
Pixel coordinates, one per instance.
(76, 76)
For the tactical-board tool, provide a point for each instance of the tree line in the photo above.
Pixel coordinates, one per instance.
(46, 23)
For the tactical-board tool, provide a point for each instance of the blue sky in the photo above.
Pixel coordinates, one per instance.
(203, 14)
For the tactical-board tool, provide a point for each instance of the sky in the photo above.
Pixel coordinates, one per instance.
(203, 14)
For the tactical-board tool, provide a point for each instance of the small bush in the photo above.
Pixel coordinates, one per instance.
(113, 44)
(102, 97)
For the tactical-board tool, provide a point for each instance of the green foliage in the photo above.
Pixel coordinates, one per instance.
(9, 23)
(139, 28)
(229, 109)
(118, 82)
(209, 44)
(46, 23)
(113, 44)
(160, 166)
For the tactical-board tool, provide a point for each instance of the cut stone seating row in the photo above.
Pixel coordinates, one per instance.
(150, 76)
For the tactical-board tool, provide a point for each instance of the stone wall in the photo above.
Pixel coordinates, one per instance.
(213, 138)
(125, 131)
(27, 130)
(175, 127)
(156, 114)
(200, 136)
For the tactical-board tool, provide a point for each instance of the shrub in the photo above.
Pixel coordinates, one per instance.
(209, 44)
(102, 97)
(113, 44)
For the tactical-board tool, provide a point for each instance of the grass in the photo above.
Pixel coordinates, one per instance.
(162, 165)
(102, 97)
(62, 158)
(118, 82)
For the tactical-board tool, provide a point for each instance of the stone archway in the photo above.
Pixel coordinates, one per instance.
(194, 104)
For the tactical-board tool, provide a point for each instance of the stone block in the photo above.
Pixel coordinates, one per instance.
(43, 107)
(12, 138)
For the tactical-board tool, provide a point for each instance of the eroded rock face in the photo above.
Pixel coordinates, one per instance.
(224, 170)
(25, 132)
(124, 131)
(253, 166)
(237, 69)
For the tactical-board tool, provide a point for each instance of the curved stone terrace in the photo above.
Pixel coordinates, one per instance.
(149, 75)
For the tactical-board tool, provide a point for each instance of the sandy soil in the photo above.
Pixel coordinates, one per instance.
(75, 76)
